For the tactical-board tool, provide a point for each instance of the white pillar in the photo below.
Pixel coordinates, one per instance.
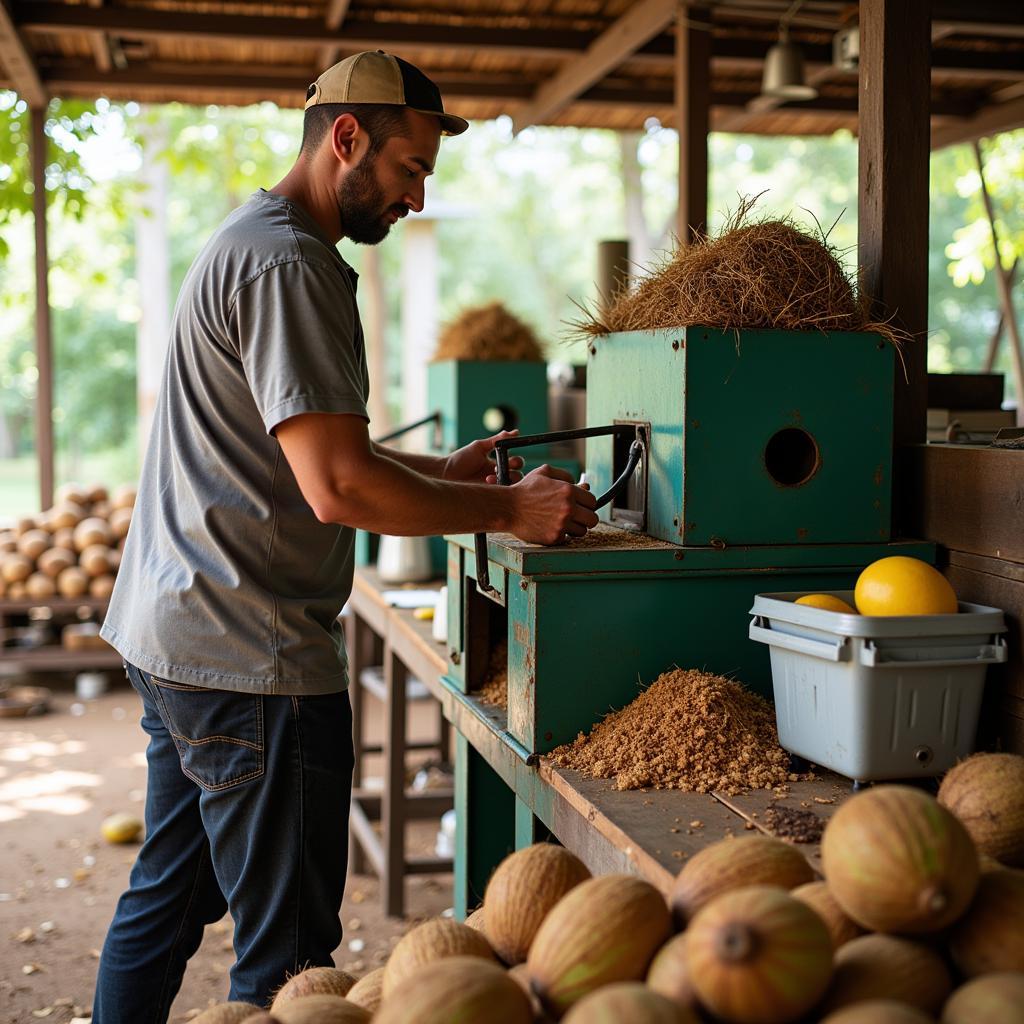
(420, 310)
(153, 273)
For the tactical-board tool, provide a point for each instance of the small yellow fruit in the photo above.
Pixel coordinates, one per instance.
(121, 828)
(899, 585)
(826, 601)
(423, 614)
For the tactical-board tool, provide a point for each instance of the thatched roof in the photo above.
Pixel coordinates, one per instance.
(495, 56)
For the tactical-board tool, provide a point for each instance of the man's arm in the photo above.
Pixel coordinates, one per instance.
(427, 465)
(345, 479)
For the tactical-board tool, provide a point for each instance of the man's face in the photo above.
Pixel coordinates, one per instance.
(383, 188)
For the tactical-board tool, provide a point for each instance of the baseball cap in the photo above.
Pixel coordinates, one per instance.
(374, 76)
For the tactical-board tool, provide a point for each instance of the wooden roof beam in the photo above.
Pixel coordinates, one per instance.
(989, 121)
(637, 26)
(17, 61)
(336, 11)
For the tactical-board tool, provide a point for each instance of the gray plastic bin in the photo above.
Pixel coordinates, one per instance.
(877, 697)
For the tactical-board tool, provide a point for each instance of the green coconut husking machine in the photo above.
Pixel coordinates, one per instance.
(471, 399)
(727, 464)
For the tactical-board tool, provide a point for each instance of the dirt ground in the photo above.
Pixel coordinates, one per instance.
(61, 774)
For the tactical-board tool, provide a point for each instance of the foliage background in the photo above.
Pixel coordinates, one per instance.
(536, 206)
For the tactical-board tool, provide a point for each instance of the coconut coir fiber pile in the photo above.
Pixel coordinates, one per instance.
(690, 730)
(488, 332)
(763, 274)
(495, 685)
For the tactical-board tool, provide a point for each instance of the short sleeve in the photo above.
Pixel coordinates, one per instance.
(300, 342)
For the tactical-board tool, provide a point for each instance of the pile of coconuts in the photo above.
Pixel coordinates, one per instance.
(920, 917)
(71, 550)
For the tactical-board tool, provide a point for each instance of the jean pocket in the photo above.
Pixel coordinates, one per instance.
(219, 734)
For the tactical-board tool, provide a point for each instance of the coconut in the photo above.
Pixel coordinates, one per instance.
(991, 999)
(986, 792)
(990, 936)
(95, 559)
(887, 967)
(64, 538)
(120, 520)
(101, 509)
(16, 568)
(627, 1001)
(23, 525)
(433, 940)
(92, 531)
(367, 991)
(8, 541)
(604, 930)
(669, 974)
(321, 1009)
(476, 921)
(39, 586)
(226, 1013)
(521, 976)
(97, 493)
(33, 543)
(758, 956)
(73, 492)
(878, 1011)
(123, 497)
(314, 981)
(897, 861)
(733, 863)
(16, 591)
(73, 582)
(459, 990)
(818, 897)
(521, 892)
(102, 587)
(65, 516)
(55, 561)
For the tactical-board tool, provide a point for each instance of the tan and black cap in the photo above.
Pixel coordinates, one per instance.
(378, 77)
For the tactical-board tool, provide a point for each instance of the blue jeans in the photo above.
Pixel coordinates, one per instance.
(247, 805)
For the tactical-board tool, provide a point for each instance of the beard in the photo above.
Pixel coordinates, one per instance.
(362, 208)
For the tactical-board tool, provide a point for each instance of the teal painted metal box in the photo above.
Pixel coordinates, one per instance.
(757, 437)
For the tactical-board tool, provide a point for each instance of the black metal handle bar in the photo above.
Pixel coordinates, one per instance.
(504, 475)
(434, 417)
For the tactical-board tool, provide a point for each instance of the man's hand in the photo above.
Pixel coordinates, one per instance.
(549, 507)
(473, 463)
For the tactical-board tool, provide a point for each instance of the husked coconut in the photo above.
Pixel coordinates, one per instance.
(887, 967)
(476, 921)
(39, 586)
(458, 990)
(33, 543)
(314, 981)
(55, 561)
(840, 926)
(321, 1009)
(604, 930)
(756, 955)
(879, 1011)
(990, 936)
(90, 532)
(897, 861)
(669, 974)
(16, 568)
(73, 582)
(521, 892)
(433, 940)
(991, 999)
(986, 792)
(629, 1001)
(732, 864)
(368, 991)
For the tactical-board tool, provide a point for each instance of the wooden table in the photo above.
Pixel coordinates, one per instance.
(649, 833)
(379, 635)
(54, 657)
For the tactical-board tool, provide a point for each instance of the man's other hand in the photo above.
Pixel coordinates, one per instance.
(474, 464)
(550, 508)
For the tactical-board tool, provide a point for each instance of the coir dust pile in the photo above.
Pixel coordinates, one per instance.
(495, 685)
(764, 274)
(489, 332)
(690, 730)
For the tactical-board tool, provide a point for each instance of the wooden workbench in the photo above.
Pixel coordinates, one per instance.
(647, 832)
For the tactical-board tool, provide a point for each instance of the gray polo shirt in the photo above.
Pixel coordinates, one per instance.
(228, 579)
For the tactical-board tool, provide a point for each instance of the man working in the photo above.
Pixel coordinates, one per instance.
(240, 554)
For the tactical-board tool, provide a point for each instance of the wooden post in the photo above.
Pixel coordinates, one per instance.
(44, 343)
(371, 284)
(1004, 278)
(693, 100)
(612, 270)
(420, 311)
(895, 40)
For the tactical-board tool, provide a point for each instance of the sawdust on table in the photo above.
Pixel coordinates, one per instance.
(494, 689)
(689, 730)
(603, 535)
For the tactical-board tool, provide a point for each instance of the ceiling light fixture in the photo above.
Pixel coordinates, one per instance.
(784, 66)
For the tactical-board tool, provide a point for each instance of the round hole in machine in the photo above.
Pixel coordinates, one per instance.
(500, 417)
(791, 457)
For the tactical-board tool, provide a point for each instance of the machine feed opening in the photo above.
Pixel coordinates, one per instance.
(500, 417)
(791, 457)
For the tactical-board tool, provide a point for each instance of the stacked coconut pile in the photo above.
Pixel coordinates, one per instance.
(70, 550)
(920, 918)
(488, 332)
(755, 274)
